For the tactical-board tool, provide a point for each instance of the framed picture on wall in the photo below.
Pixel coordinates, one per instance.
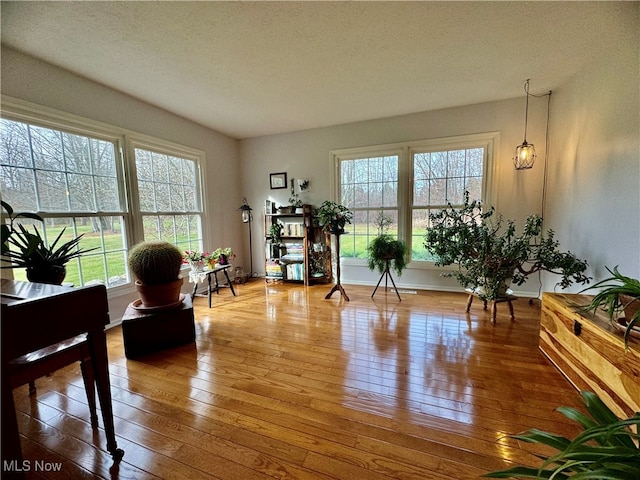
(278, 180)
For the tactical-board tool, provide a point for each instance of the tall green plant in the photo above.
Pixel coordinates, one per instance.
(607, 448)
(489, 252)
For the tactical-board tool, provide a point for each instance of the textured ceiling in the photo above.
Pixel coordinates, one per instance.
(256, 68)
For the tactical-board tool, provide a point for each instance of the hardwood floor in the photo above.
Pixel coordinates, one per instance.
(282, 383)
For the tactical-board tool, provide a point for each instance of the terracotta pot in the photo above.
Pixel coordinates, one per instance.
(159, 295)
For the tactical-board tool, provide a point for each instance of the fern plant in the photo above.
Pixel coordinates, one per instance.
(384, 249)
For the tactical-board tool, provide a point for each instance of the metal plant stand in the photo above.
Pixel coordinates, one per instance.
(386, 274)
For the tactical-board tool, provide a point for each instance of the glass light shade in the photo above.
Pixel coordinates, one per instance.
(246, 215)
(525, 156)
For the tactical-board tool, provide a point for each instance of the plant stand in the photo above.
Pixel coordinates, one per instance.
(337, 286)
(386, 274)
(494, 303)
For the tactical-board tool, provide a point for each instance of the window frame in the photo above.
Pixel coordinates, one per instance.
(125, 141)
(405, 151)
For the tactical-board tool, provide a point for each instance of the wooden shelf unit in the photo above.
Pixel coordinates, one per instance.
(590, 352)
(306, 256)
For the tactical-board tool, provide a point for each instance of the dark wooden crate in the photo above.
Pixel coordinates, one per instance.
(152, 331)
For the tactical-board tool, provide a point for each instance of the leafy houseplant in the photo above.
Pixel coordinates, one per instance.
(607, 448)
(384, 250)
(489, 254)
(333, 216)
(618, 292)
(294, 199)
(275, 230)
(156, 266)
(23, 249)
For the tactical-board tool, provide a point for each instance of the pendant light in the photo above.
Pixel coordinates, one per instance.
(525, 154)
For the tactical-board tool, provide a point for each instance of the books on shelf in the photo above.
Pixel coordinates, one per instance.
(293, 229)
(295, 271)
(273, 269)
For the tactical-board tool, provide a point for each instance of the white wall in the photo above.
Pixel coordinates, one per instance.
(26, 78)
(594, 168)
(306, 154)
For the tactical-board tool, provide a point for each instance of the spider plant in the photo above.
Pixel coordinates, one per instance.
(618, 292)
(607, 448)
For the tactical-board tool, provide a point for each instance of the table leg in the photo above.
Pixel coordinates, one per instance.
(494, 311)
(98, 346)
(11, 449)
(229, 282)
(511, 310)
(209, 288)
(469, 302)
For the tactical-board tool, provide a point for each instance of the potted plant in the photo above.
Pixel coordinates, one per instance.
(384, 250)
(607, 448)
(156, 267)
(23, 249)
(222, 256)
(491, 255)
(619, 295)
(294, 200)
(333, 217)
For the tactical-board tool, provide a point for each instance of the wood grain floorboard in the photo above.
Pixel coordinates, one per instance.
(283, 384)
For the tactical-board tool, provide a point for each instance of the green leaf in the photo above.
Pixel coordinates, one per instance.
(524, 472)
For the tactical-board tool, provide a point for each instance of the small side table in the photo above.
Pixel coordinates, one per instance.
(216, 288)
(494, 308)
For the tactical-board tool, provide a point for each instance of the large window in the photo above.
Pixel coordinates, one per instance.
(408, 182)
(73, 175)
(368, 185)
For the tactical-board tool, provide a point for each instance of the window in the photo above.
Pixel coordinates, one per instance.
(441, 177)
(72, 172)
(367, 186)
(169, 198)
(408, 182)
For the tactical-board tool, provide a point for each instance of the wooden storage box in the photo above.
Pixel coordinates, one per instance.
(590, 352)
(151, 331)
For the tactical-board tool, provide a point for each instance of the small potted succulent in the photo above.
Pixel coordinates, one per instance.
(333, 217)
(156, 266)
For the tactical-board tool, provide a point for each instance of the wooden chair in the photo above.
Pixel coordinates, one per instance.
(29, 367)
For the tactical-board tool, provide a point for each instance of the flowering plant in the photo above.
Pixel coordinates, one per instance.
(222, 256)
(194, 256)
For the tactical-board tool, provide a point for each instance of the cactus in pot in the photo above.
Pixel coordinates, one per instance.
(156, 266)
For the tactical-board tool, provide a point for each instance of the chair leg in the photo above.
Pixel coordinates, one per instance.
(32, 387)
(90, 388)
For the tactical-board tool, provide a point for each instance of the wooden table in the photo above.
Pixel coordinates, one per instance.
(214, 271)
(35, 316)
